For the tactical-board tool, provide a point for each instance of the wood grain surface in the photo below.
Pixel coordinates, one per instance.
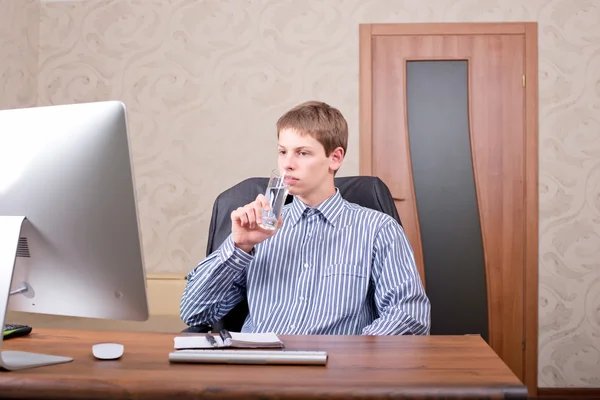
(358, 367)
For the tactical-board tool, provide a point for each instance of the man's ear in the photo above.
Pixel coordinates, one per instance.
(336, 157)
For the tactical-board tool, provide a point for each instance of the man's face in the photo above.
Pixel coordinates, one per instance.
(307, 168)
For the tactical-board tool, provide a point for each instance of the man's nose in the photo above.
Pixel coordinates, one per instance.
(288, 163)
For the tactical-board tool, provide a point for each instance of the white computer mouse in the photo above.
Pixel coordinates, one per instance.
(108, 351)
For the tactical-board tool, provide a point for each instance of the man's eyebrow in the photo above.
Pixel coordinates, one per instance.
(297, 148)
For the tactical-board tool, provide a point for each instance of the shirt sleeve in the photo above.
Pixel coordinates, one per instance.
(216, 285)
(400, 298)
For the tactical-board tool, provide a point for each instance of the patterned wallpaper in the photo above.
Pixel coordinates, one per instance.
(205, 81)
(19, 26)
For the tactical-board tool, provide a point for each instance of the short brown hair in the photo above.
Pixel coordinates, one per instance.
(319, 120)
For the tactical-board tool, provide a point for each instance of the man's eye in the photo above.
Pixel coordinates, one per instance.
(281, 152)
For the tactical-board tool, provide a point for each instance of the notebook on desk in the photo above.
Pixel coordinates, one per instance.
(209, 348)
(235, 339)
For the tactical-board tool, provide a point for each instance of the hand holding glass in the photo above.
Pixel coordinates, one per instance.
(276, 193)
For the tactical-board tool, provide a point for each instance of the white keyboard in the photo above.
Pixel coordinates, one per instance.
(291, 357)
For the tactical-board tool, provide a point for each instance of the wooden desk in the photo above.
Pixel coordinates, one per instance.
(358, 367)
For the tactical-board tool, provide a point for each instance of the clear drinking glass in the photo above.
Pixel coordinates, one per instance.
(276, 193)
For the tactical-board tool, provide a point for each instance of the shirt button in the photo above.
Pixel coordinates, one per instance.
(305, 265)
(237, 260)
(292, 326)
(301, 298)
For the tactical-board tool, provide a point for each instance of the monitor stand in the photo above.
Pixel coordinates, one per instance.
(10, 230)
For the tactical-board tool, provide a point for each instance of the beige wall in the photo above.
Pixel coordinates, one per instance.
(19, 26)
(206, 80)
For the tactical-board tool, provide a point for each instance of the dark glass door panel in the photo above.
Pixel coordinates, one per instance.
(440, 147)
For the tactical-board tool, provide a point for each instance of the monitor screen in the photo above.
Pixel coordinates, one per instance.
(67, 170)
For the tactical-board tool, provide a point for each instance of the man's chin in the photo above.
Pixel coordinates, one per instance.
(296, 190)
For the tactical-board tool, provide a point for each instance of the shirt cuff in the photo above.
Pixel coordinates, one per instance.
(233, 256)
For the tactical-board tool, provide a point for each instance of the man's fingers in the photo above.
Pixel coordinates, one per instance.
(240, 215)
(264, 202)
(251, 214)
(258, 210)
(249, 210)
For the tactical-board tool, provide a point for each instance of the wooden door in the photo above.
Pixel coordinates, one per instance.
(444, 125)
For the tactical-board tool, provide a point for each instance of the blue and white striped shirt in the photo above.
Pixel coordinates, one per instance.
(337, 268)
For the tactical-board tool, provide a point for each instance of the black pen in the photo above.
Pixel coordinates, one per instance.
(226, 336)
(211, 340)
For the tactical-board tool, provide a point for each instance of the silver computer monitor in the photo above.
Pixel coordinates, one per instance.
(69, 229)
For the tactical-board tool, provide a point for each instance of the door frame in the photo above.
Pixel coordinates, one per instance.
(530, 32)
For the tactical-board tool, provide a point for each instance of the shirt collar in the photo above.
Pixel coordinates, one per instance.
(330, 208)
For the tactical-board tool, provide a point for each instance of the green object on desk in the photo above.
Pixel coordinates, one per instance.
(15, 330)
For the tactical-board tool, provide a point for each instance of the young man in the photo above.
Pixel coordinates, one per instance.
(331, 267)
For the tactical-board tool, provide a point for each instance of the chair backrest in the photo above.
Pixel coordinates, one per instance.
(367, 191)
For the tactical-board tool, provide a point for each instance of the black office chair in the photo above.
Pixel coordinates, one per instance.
(367, 191)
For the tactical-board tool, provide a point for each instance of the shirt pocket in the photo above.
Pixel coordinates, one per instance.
(344, 289)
